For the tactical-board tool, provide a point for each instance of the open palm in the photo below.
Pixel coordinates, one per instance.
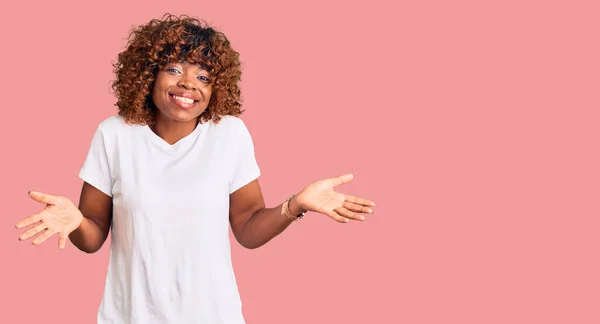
(59, 216)
(321, 197)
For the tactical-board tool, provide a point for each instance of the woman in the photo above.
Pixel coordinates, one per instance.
(168, 175)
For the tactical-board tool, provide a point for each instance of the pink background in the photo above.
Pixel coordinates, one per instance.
(473, 126)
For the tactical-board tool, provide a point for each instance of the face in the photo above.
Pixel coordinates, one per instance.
(181, 92)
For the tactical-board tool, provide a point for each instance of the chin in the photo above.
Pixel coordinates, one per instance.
(183, 115)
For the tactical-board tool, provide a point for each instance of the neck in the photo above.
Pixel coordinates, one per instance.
(171, 131)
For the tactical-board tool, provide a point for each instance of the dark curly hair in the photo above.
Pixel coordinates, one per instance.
(168, 40)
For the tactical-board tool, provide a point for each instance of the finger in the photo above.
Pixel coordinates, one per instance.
(348, 214)
(337, 181)
(357, 208)
(42, 238)
(360, 201)
(31, 219)
(43, 197)
(32, 231)
(62, 240)
(335, 216)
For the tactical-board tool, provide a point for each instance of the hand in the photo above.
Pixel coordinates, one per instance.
(321, 197)
(59, 216)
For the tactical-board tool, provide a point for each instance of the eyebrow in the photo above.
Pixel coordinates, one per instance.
(199, 66)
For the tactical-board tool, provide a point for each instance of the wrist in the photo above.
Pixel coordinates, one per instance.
(78, 224)
(295, 207)
(81, 219)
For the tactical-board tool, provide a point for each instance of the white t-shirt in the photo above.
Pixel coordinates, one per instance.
(170, 257)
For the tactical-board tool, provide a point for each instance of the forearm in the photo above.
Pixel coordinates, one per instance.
(88, 237)
(266, 224)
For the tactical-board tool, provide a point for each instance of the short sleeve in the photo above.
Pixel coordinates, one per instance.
(95, 169)
(246, 167)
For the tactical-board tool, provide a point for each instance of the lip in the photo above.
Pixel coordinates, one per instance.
(184, 95)
(183, 105)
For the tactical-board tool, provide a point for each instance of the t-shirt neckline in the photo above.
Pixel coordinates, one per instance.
(175, 146)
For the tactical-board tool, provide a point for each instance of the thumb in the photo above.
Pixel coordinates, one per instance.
(43, 197)
(342, 179)
(62, 240)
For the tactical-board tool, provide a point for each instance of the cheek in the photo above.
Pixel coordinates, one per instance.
(160, 83)
(207, 94)
(158, 92)
(156, 98)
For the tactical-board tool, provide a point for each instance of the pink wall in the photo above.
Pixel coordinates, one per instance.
(474, 127)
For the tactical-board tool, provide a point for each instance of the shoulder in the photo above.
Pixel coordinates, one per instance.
(113, 124)
(229, 121)
(115, 129)
(230, 124)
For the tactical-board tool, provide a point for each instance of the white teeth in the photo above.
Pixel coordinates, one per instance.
(183, 99)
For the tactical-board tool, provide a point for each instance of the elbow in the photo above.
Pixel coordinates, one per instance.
(88, 249)
(248, 246)
(91, 251)
(251, 245)
(247, 240)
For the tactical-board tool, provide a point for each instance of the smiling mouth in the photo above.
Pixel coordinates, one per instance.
(183, 99)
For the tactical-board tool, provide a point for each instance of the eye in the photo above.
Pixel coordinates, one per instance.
(203, 78)
(173, 70)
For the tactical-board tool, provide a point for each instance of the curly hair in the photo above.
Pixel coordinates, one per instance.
(168, 40)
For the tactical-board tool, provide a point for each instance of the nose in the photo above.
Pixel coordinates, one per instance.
(186, 81)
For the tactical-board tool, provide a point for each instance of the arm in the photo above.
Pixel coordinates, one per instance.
(96, 208)
(254, 225)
